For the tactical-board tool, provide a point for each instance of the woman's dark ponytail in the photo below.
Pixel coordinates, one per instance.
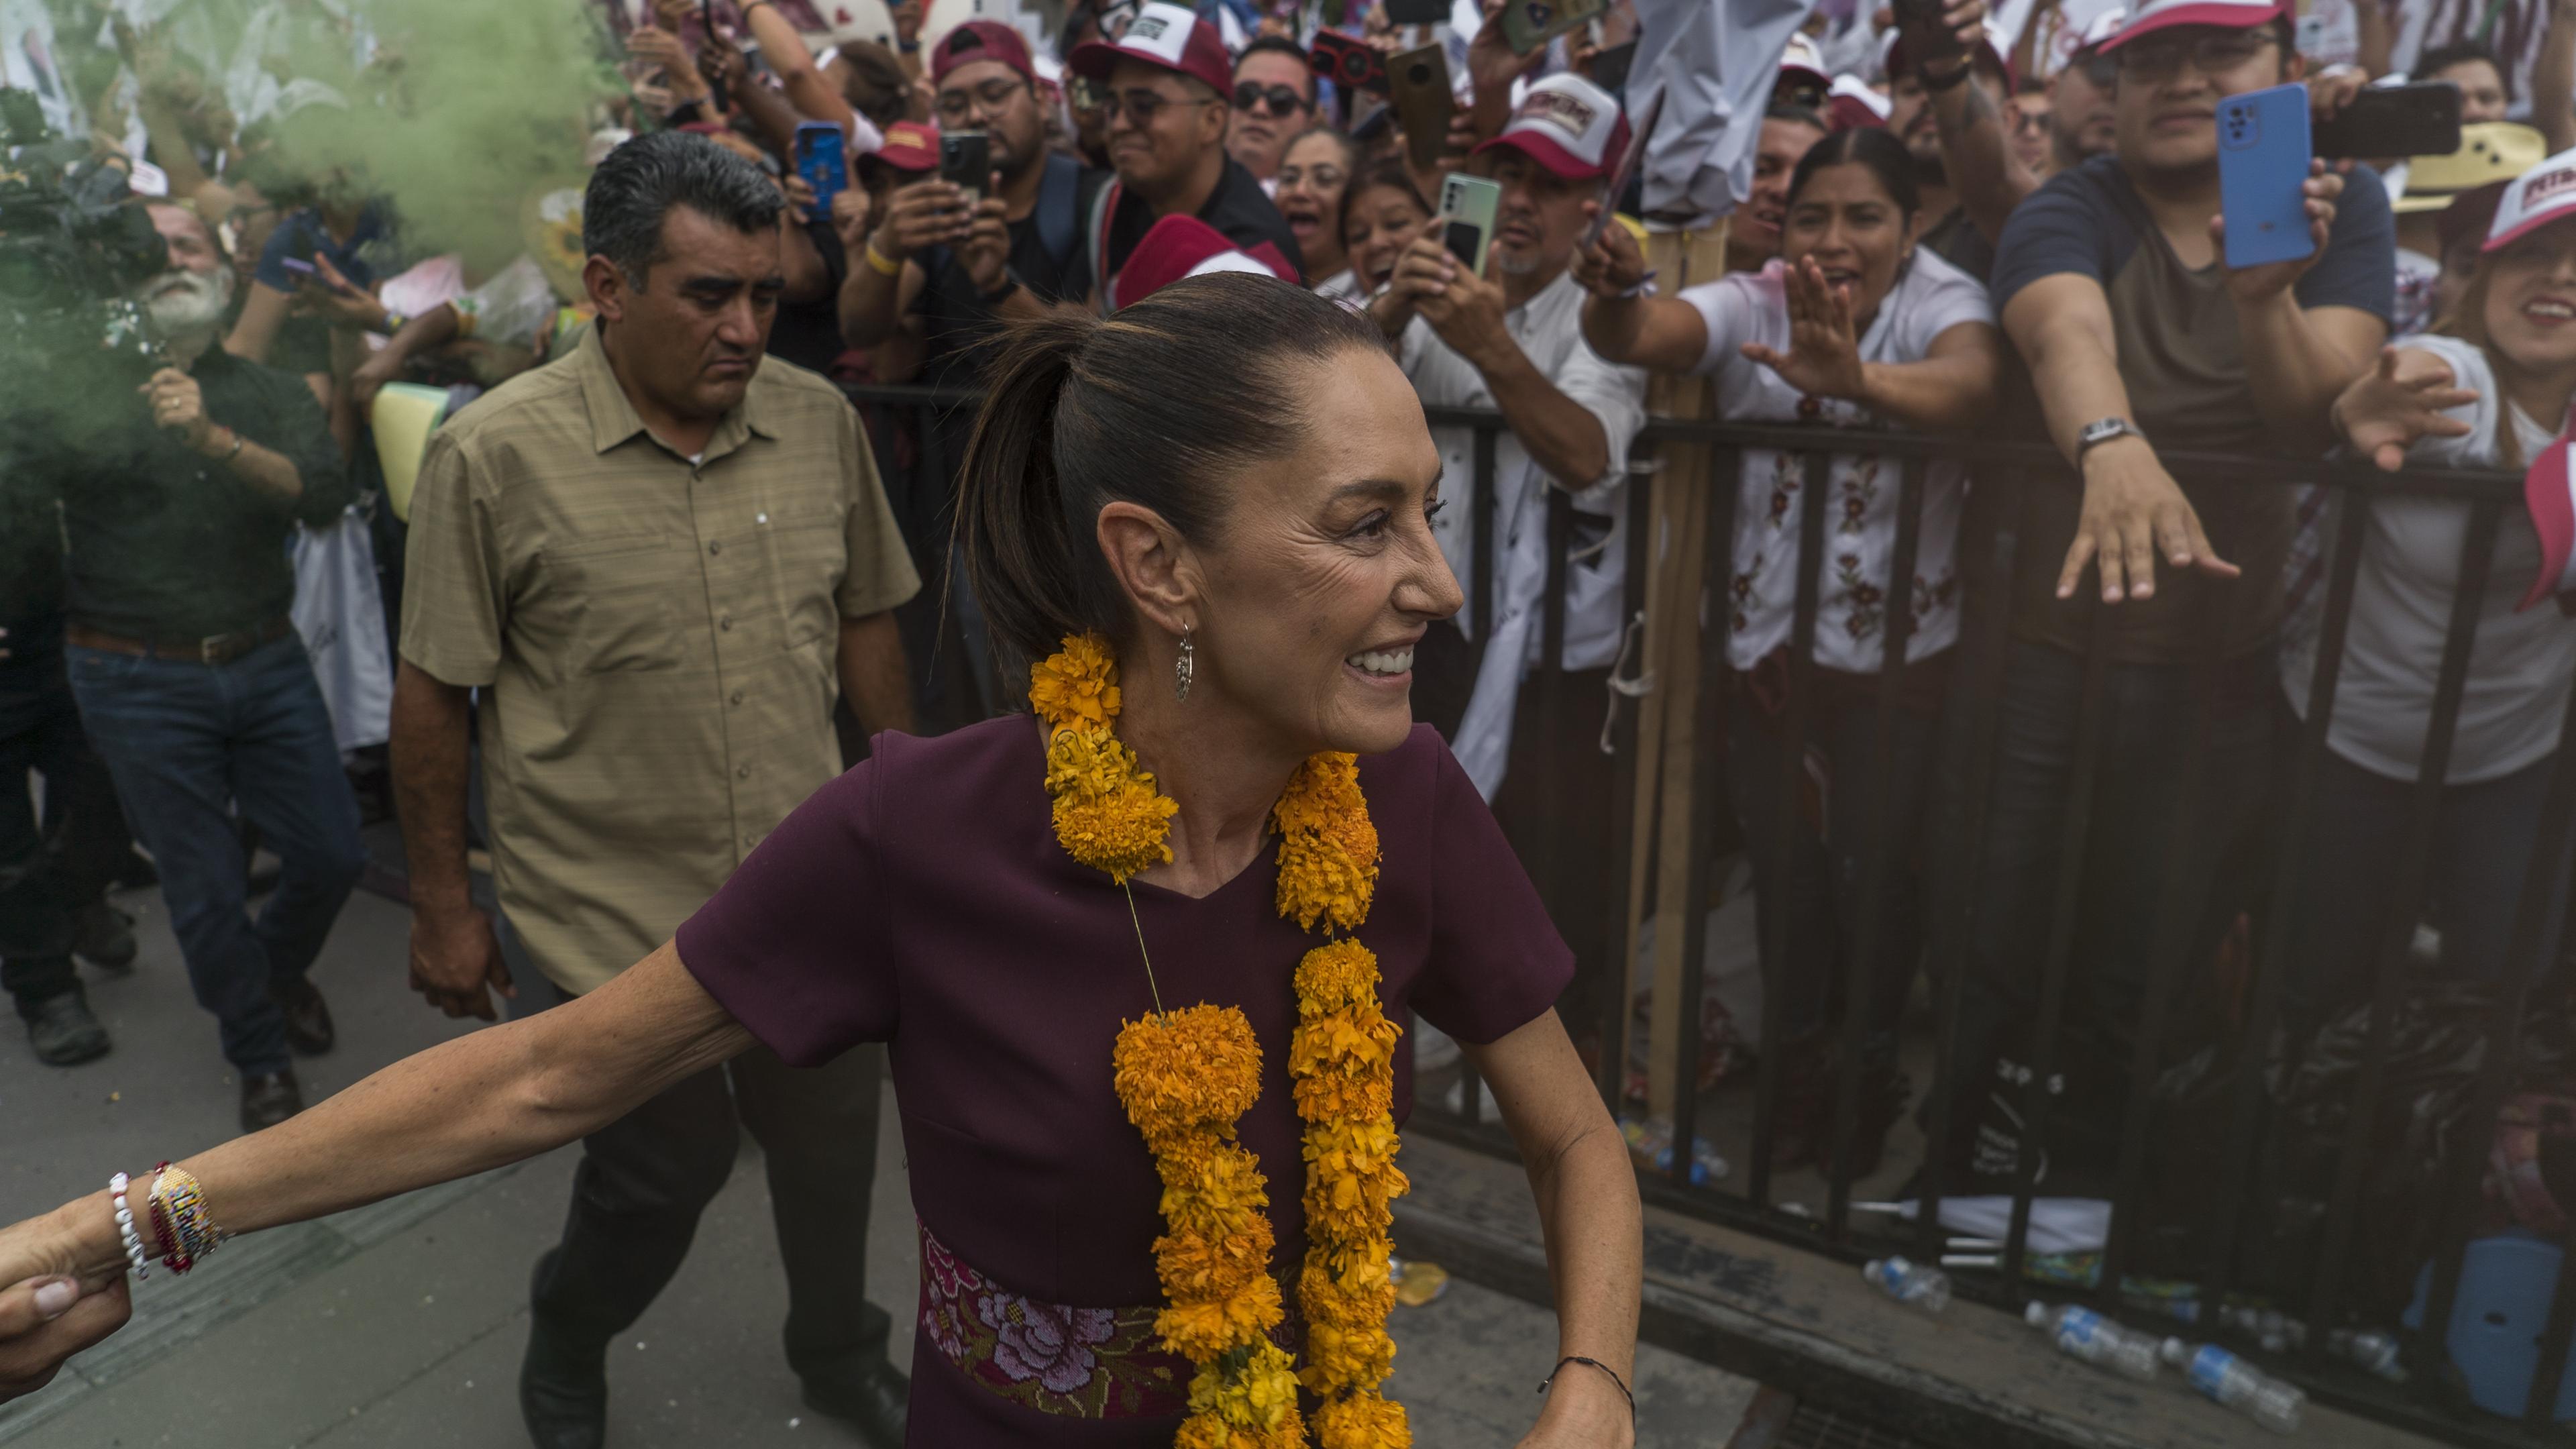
(1010, 498)
(1156, 406)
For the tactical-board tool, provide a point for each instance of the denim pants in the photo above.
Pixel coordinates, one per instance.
(49, 870)
(2131, 858)
(2486, 837)
(189, 746)
(645, 1178)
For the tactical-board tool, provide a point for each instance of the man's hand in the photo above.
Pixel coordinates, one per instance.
(1611, 267)
(799, 193)
(2132, 508)
(923, 215)
(2261, 286)
(2405, 399)
(381, 367)
(179, 406)
(1823, 359)
(454, 957)
(986, 251)
(1463, 308)
(850, 216)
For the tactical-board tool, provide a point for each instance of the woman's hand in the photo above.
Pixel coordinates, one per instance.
(2404, 400)
(1823, 359)
(1611, 267)
(66, 1272)
(337, 300)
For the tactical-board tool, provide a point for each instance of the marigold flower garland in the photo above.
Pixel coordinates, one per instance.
(1186, 1076)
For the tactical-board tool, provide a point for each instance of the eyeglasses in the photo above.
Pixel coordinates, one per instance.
(2210, 54)
(2029, 123)
(1144, 105)
(992, 95)
(1283, 100)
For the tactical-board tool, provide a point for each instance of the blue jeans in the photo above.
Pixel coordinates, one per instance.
(190, 744)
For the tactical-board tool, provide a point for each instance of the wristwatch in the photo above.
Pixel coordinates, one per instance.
(2097, 433)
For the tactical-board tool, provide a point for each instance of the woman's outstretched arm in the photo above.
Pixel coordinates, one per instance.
(478, 1102)
(1587, 1203)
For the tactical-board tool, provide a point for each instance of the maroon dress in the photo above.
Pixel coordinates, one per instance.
(921, 900)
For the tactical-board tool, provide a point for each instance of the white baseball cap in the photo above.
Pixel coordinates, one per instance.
(2158, 15)
(2546, 193)
(1803, 60)
(1568, 125)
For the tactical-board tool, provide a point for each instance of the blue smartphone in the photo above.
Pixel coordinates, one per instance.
(2263, 155)
(821, 158)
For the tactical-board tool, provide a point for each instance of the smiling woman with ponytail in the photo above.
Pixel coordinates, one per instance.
(1144, 961)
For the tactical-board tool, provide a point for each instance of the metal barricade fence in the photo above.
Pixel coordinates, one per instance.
(1448, 1104)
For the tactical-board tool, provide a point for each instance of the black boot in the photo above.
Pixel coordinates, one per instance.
(102, 935)
(867, 1394)
(63, 1030)
(563, 1386)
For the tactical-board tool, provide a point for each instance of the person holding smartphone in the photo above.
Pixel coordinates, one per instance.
(2112, 282)
(1512, 340)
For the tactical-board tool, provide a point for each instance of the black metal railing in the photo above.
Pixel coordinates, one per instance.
(2206, 1250)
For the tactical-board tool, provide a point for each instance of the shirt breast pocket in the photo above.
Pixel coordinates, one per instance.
(806, 551)
(615, 604)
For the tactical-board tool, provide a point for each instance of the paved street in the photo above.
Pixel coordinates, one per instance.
(400, 1326)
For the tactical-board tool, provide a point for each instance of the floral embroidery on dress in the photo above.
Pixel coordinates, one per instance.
(1081, 1363)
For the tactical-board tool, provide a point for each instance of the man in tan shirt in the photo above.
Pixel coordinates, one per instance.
(656, 559)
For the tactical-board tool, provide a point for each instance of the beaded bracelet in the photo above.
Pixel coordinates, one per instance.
(125, 1225)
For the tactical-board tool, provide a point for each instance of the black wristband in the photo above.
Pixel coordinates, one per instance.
(1596, 1363)
(1950, 82)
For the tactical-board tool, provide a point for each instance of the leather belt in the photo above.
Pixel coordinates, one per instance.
(210, 649)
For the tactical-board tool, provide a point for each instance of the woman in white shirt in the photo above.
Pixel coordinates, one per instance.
(2490, 388)
(1314, 174)
(1853, 325)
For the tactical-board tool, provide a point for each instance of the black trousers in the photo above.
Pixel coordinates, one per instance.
(49, 868)
(645, 1178)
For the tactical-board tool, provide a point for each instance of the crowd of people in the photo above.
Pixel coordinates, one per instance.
(1944, 228)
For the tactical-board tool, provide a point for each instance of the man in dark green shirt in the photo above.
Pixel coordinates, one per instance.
(193, 683)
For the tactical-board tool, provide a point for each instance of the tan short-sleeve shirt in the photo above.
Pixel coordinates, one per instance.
(655, 637)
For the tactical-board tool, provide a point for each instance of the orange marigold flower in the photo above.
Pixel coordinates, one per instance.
(1328, 850)
(1362, 1421)
(1337, 976)
(1176, 1070)
(1077, 687)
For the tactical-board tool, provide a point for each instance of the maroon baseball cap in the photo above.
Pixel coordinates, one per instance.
(1172, 37)
(2158, 15)
(981, 40)
(910, 146)
(1568, 125)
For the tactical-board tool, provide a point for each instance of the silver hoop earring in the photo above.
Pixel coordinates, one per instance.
(1186, 666)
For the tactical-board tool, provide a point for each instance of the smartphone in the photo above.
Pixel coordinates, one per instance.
(1926, 38)
(1423, 102)
(1467, 206)
(2422, 119)
(966, 162)
(305, 270)
(2263, 155)
(822, 159)
(1529, 24)
(1417, 12)
(1349, 63)
(1610, 67)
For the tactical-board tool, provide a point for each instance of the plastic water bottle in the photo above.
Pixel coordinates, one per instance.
(2275, 1330)
(2376, 1352)
(1924, 1287)
(2082, 1333)
(2238, 1384)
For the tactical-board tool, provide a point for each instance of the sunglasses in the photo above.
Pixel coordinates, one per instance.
(1143, 105)
(1283, 100)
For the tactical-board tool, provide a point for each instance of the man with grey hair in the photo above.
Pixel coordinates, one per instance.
(1513, 341)
(178, 500)
(659, 560)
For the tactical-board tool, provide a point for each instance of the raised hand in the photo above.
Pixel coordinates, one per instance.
(1823, 359)
(2406, 398)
